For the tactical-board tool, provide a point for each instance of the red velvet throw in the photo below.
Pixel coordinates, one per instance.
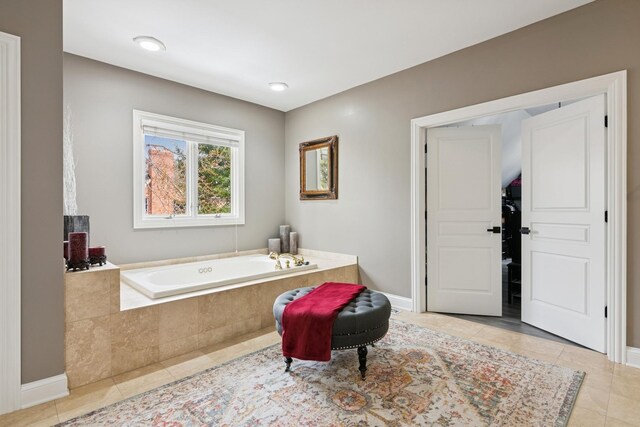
(307, 322)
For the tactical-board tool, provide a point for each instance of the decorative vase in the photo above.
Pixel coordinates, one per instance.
(284, 238)
(293, 242)
(274, 245)
(76, 223)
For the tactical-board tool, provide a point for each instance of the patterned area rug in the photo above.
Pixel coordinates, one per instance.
(415, 377)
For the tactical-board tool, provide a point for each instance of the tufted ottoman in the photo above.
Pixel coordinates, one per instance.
(362, 322)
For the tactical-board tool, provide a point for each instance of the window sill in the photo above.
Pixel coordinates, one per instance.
(186, 222)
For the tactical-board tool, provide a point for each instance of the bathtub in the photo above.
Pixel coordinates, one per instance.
(168, 280)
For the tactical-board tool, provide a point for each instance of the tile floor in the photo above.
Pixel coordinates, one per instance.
(609, 396)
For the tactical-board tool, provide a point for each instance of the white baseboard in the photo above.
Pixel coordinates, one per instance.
(44, 390)
(633, 357)
(401, 303)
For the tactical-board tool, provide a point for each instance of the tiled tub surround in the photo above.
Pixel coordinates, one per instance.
(110, 328)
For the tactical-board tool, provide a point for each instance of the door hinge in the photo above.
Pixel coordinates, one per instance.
(606, 121)
(425, 148)
(605, 312)
(606, 216)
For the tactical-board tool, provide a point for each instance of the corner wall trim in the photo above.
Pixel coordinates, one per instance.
(44, 390)
(401, 303)
(9, 223)
(633, 357)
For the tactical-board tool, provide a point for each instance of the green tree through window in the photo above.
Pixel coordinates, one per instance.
(214, 179)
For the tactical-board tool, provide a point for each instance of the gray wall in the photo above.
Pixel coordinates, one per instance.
(101, 98)
(39, 24)
(371, 218)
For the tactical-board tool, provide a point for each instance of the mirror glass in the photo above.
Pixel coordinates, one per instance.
(319, 169)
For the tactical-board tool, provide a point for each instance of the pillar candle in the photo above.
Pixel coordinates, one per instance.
(78, 249)
(293, 242)
(274, 245)
(96, 251)
(97, 255)
(284, 237)
(65, 246)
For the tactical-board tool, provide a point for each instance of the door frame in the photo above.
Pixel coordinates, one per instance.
(614, 85)
(10, 389)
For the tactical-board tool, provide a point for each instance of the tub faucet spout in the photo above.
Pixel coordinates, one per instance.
(297, 261)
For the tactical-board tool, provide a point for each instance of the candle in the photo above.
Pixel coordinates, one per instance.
(293, 242)
(97, 255)
(78, 251)
(274, 245)
(284, 237)
(65, 246)
(96, 251)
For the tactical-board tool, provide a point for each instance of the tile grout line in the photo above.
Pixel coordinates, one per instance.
(55, 406)
(609, 397)
(99, 407)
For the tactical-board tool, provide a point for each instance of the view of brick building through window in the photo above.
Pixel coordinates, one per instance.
(165, 187)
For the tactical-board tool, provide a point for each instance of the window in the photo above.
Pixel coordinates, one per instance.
(186, 173)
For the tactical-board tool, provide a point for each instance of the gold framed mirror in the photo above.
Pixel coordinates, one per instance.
(319, 169)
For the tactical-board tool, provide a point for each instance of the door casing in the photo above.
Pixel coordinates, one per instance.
(614, 86)
(10, 387)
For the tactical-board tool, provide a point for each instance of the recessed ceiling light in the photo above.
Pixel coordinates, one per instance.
(149, 43)
(278, 86)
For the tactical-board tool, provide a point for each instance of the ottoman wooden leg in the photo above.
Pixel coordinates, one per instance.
(362, 356)
(288, 361)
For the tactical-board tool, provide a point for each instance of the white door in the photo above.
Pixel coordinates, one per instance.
(563, 206)
(464, 250)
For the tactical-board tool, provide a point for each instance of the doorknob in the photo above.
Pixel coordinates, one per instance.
(495, 230)
(525, 230)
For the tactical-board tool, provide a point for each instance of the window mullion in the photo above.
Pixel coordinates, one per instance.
(193, 187)
(234, 179)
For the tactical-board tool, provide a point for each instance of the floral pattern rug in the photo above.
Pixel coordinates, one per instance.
(415, 377)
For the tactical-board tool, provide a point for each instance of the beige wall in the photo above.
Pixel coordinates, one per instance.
(39, 24)
(101, 98)
(371, 218)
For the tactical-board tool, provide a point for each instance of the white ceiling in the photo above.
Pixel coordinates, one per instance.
(318, 47)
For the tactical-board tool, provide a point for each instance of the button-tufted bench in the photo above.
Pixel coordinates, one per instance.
(362, 322)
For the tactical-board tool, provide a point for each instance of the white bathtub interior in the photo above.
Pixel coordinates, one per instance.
(168, 280)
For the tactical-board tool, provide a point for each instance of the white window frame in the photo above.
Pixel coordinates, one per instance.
(189, 131)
